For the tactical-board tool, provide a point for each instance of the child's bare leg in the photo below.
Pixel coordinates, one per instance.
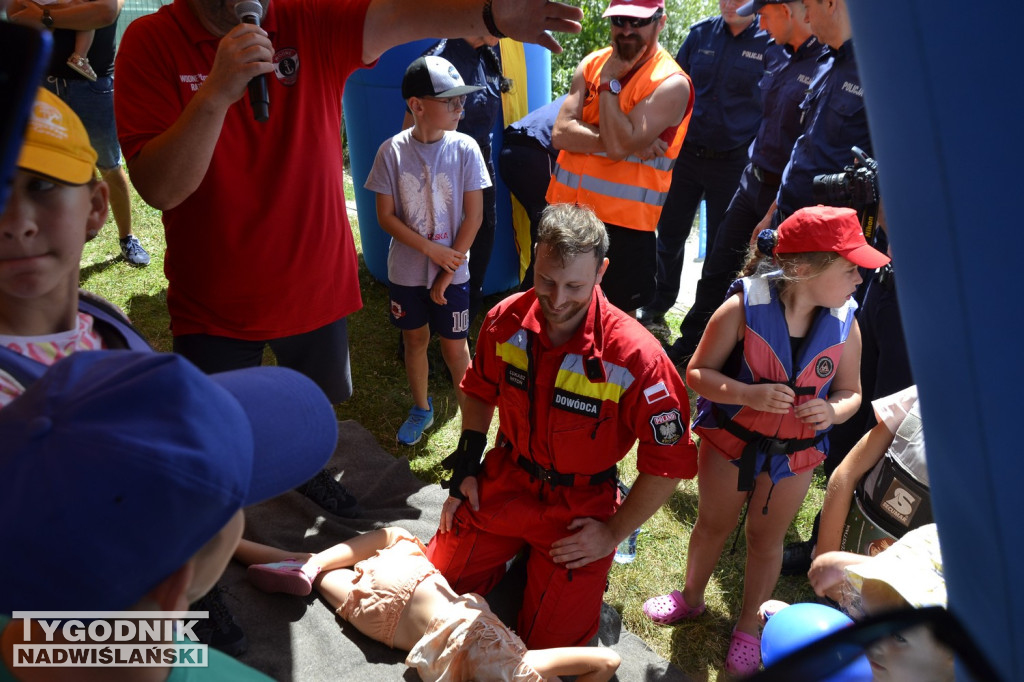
(456, 356)
(249, 552)
(83, 41)
(78, 60)
(416, 368)
(766, 534)
(589, 664)
(718, 509)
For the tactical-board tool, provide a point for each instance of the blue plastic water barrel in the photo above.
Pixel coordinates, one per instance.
(374, 111)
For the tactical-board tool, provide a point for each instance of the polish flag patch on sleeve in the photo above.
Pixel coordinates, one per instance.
(656, 392)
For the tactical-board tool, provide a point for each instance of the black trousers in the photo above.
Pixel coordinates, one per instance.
(725, 257)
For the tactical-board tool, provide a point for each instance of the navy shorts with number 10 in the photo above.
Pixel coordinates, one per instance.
(411, 308)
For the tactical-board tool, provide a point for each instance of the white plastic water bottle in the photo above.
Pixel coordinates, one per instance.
(625, 553)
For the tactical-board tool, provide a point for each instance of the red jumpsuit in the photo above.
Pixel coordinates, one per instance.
(575, 409)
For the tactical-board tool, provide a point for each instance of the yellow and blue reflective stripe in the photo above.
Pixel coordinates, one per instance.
(572, 377)
(513, 351)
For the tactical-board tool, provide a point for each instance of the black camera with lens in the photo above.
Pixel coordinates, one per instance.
(856, 186)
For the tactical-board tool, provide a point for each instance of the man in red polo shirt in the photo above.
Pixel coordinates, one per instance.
(259, 249)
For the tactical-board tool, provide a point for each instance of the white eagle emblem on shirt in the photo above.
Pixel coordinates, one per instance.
(425, 209)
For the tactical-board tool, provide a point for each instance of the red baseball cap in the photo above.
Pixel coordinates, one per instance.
(828, 228)
(639, 9)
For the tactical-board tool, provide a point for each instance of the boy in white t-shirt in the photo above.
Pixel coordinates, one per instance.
(429, 182)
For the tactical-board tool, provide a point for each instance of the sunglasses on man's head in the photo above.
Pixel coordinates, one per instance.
(622, 22)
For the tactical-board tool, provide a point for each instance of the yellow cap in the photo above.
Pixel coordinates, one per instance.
(56, 144)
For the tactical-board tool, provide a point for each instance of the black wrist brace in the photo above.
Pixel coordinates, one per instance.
(465, 461)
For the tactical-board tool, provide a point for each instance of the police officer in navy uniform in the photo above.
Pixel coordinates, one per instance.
(479, 63)
(525, 163)
(790, 64)
(835, 119)
(724, 57)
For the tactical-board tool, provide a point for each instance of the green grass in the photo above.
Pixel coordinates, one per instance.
(380, 402)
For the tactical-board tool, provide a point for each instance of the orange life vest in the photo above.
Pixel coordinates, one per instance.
(630, 192)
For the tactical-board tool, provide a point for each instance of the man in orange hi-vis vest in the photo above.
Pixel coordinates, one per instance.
(619, 132)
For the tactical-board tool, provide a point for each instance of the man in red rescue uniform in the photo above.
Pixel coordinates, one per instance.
(576, 382)
(620, 131)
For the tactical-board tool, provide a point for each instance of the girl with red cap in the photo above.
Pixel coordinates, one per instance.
(777, 367)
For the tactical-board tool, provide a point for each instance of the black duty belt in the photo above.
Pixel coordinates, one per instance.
(766, 177)
(555, 478)
(702, 152)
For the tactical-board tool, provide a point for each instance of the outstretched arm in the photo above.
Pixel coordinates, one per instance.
(828, 575)
(341, 555)
(839, 493)
(589, 664)
(77, 17)
(395, 22)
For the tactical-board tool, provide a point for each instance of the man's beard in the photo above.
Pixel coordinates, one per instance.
(564, 315)
(627, 48)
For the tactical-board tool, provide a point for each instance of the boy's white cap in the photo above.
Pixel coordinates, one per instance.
(432, 76)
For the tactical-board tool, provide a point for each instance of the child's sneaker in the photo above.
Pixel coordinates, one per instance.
(81, 64)
(332, 496)
(292, 576)
(133, 252)
(418, 422)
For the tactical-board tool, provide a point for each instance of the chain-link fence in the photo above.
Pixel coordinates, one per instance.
(133, 9)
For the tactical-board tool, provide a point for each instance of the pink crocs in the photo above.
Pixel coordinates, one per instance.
(744, 654)
(671, 608)
(291, 576)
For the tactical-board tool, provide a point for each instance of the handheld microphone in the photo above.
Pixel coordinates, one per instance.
(251, 12)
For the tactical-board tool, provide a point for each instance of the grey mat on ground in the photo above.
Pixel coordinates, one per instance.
(292, 638)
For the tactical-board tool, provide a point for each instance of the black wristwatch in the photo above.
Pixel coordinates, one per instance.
(47, 19)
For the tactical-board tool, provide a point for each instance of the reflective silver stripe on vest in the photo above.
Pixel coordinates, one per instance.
(616, 190)
(662, 163)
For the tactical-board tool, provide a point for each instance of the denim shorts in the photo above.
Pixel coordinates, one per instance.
(94, 104)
